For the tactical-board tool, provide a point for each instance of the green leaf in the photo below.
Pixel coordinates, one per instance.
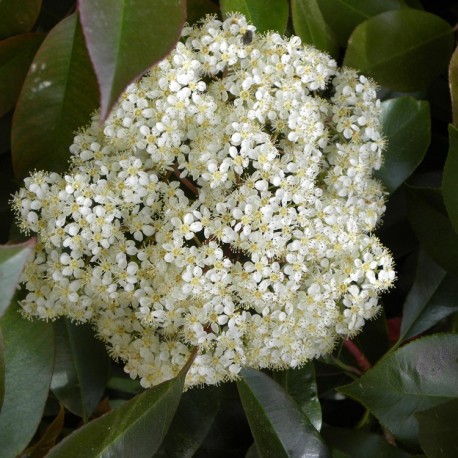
(81, 370)
(122, 383)
(126, 37)
(194, 417)
(402, 49)
(279, 427)
(344, 15)
(428, 218)
(16, 55)
(360, 444)
(5, 130)
(437, 428)
(58, 96)
(264, 14)
(300, 384)
(29, 358)
(433, 296)
(12, 261)
(18, 16)
(310, 25)
(453, 82)
(418, 376)
(137, 428)
(2, 370)
(407, 126)
(450, 178)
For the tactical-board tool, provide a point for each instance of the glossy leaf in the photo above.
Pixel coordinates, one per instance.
(193, 419)
(121, 382)
(453, 82)
(2, 370)
(450, 178)
(300, 384)
(360, 444)
(344, 15)
(58, 96)
(437, 428)
(16, 54)
(126, 37)
(407, 126)
(418, 376)
(49, 437)
(310, 25)
(137, 428)
(29, 358)
(279, 427)
(433, 296)
(18, 16)
(12, 261)
(402, 49)
(5, 129)
(428, 218)
(81, 369)
(264, 14)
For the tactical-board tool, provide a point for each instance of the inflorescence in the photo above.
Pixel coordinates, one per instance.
(227, 205)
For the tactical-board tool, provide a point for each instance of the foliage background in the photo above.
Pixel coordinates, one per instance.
(392, 392)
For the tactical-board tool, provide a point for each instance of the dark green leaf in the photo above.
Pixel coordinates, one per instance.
(49, 437)
(12, 261)
(5, 129)
(197, 9)
(453, 82)
(194, 417)
(434, 296)
(401, 49)
(300, 384)
(81, 369)
(437, 428)
(344, 15)
(18, 16)
(279, 427)
(137, 428)
(360, 444)
(407, 127)
(450, 178)
(310, 25)
(428, 218)
(264, 14)
(29, 358)
(2, 370)
(338, 454)
(58, 96)
(126, 37)
(122, 383)
(252, 452)
(16, 54)
(418, 376)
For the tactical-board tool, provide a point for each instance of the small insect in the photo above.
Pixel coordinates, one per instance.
(247, 37)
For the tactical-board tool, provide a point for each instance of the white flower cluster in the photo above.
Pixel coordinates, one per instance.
(225, 206)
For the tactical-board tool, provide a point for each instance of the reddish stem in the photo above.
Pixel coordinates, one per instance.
(186, 182)
(359, 356)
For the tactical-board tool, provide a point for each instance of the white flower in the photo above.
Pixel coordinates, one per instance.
(227, 204)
